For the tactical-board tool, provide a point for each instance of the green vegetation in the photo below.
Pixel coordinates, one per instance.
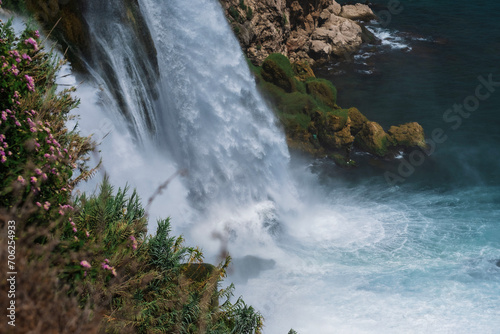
(242, 5)
(284, 20)
(306, 105)
(95, 267)
(249, 12)
(235, 14)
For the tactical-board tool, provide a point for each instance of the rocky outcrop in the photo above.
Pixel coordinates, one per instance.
(406, 137)
(313, 122)
(299, 29)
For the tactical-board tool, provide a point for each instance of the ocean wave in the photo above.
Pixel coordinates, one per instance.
(390, 38)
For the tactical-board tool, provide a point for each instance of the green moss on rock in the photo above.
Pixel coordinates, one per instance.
(277, 70)
(322, 91)
(373, 139)
(407, 136)
(303, 70)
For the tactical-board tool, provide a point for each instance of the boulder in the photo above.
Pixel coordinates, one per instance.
(372, 139)
(342, 34)
(333, 130)
(357, 12)
(407, 136)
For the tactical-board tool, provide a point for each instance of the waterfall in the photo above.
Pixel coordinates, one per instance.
(175, 73)
(210, 115)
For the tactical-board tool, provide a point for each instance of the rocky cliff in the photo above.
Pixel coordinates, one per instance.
(311, 30)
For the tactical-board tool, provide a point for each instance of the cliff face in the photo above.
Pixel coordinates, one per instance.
(299, 29)
(69, 27)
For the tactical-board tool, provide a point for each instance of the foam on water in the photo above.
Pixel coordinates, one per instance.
(389, 38)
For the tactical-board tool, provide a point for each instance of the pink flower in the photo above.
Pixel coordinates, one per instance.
(37, 34)
(44, 176)
(75, 230)
(33, 180)
(3, 159)
(46, 206)
(21, 180)
(85, 264)
(106, 260)
(61, 212)
(30, 83)
(134, 242)
(32, 42)
(113, 271)
(87, 234)
(38, 171)
(39, 204)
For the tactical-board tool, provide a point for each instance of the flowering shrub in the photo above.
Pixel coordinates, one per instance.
(38, 154)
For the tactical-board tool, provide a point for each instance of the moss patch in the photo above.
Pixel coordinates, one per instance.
(322, 91)
(277, 70)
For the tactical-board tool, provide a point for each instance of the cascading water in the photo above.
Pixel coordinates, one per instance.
(360, 259)
(202, 109)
